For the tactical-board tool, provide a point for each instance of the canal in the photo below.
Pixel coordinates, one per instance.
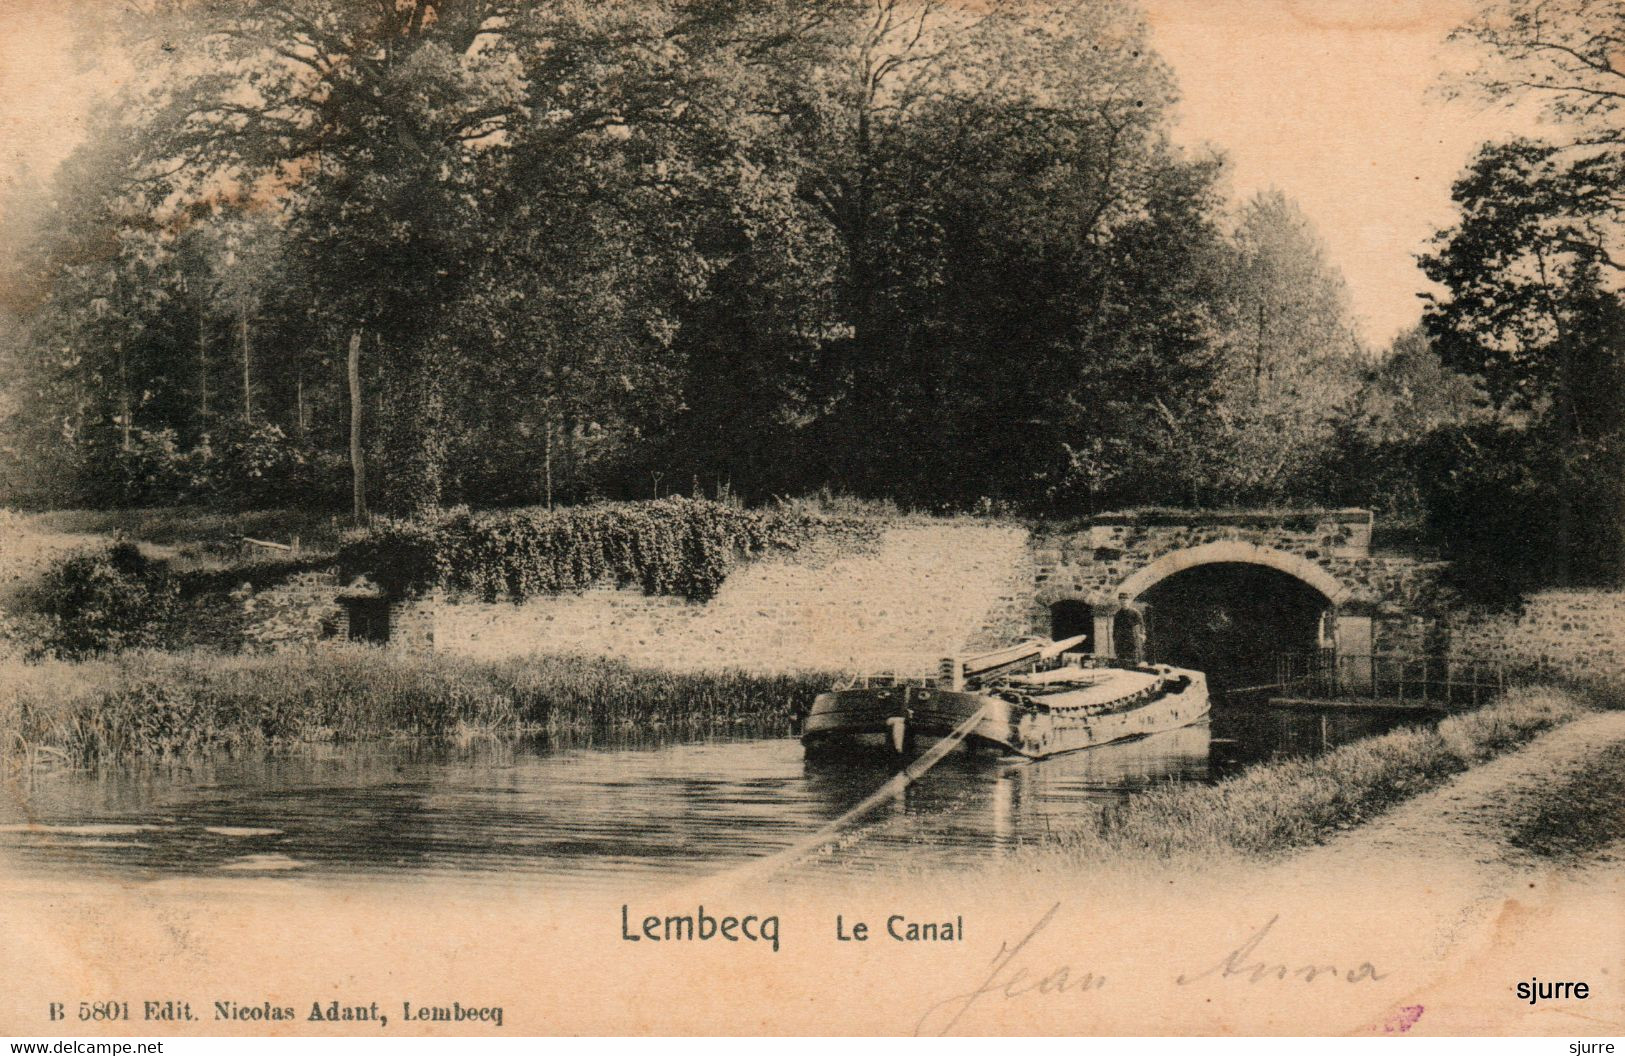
(574, 813)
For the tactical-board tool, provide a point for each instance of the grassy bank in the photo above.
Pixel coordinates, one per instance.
(1578, 815)
(193, 542)
(1298, 802)
(200, 550)
(180, 527)
(148, 705)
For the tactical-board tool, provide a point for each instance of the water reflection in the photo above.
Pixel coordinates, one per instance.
(580, 811)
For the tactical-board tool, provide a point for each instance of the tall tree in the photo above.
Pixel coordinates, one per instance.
(364, 123)
(900, 246)
(1410, 392)
(1526, 307)
(965, 184)
(1286, 360)
(93, 344)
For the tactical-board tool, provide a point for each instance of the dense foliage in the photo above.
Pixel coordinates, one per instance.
(897, 247)
(105, 601)
(237, 465)
(675, 546)
(936, 253)
(1532, 304)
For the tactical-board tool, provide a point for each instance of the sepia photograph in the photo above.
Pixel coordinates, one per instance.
(812, 517)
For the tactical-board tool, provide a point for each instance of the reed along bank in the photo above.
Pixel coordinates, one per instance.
(151, 705)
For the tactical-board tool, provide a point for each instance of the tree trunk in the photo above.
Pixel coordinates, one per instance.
(358, 469)
(380, 408)
(123, 395)
(202, 373)
(1568, 434)
(547, 462)
(299, 401)
(248, 389)
(569, 436)
(1258, 359)
(1619, 536)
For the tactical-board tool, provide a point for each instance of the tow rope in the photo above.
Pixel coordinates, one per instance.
(762, 868)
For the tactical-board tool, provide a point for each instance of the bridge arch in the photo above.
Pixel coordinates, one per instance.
(1234, 552)
(1231, 608)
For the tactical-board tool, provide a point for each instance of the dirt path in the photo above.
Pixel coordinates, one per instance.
(1469, 819)
(1486, 911)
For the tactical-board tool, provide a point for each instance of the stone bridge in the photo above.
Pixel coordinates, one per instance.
(1228, 588)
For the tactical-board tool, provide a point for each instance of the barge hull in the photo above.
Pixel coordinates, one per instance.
(865, 718)
(908, 719)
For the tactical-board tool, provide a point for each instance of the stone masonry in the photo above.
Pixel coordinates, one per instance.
(1110, 560)
(937, 588)
(925, 591)
(1580, 633)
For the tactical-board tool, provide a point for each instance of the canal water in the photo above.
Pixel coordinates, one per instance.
(575, 813)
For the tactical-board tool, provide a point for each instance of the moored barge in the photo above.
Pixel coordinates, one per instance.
(1034, 699)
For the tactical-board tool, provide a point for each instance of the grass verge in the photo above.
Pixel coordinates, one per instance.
(182, 526)
(1579, 816)
(1298, 802)
(146, 705)
(201, 548)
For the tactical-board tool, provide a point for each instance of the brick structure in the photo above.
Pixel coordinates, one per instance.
(933, 588)
(936, 588)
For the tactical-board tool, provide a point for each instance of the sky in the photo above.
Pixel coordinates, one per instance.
(1333, 102)
(44, 84)
(1336, 104)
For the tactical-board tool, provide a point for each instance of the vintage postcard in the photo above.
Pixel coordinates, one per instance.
(806, 517)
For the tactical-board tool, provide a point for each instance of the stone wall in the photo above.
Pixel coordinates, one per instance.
(928, 590)
(1093, 562)
(1110, 560)
(923, 591)
(1573, 632)
(301, 610)
(1010, 616)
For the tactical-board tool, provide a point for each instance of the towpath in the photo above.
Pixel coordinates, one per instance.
(1513, 870)
(1476, 816)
